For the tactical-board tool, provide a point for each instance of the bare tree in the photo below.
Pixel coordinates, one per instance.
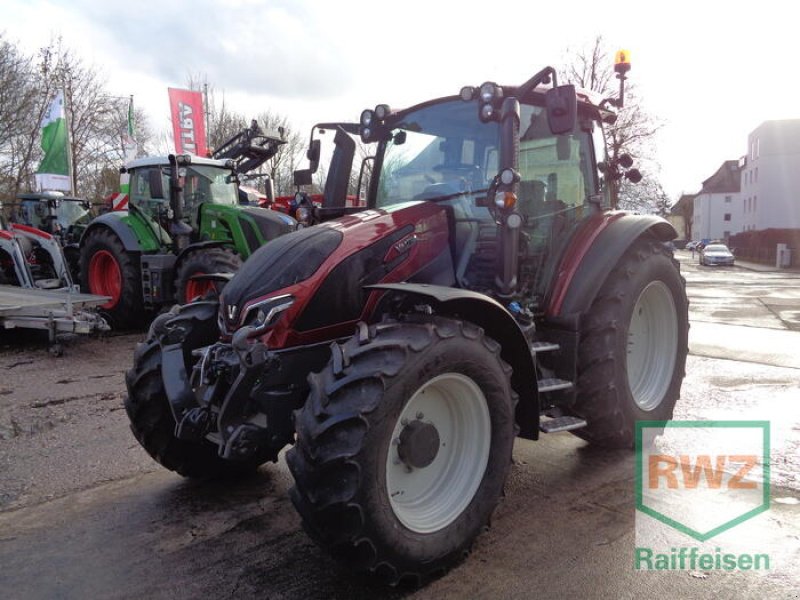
(590, 67)
(95, 119)
(281, 167)
(23, 101)
(224, 123)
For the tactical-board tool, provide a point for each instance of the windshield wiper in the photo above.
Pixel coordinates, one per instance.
(441, 198)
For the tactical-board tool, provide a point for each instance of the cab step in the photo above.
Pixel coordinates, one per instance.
(565, 423)
(544, 347)
(553, 384)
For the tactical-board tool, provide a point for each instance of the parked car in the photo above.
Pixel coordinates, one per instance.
(716, 254)
(692, 245)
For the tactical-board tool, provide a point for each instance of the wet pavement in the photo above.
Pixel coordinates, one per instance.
(84, 512)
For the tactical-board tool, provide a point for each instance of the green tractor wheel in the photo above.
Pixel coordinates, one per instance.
(203, 262)
(107, 269)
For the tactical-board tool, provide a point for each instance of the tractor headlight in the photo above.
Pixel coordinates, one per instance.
(382, 111)
(367, 118)
(489, 91)
(266, 313)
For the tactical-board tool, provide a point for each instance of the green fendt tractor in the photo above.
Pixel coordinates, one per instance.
(180, 231)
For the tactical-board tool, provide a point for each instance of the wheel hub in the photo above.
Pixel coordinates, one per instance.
(419, 444)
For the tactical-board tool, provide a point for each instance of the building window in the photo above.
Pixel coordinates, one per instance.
(755, 202)
(756, 179)
(726, 234)
(727, 199)
(727, 216)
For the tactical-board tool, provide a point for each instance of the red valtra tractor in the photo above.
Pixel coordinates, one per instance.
(486, 292)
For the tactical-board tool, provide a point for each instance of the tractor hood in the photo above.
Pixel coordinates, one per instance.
(285, 261)
(325, 268)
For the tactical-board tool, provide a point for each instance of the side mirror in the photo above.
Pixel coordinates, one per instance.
(302, 177)
(364, 176)
(335, 192)
(562, 108)
(155, 183)
(269, 190)
(313, 156)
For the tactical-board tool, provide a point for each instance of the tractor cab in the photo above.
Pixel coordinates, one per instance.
(516, 169)
(52, 212)
(162, 187)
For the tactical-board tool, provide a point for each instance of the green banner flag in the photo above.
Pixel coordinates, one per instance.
(130, 148)
(53, 172)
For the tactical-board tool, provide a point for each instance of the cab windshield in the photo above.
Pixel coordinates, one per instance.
(443, 152)
(208, 184)
(69, 212)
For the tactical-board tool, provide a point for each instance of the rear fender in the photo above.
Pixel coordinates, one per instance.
(114, 221)
(595, 251)
(198, 246)
(498, 324)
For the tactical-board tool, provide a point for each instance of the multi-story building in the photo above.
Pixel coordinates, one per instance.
(718, 210)
(770, 190)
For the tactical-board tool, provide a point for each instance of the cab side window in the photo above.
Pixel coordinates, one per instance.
(140, 191)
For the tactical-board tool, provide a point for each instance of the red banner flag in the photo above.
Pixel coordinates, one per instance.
(188, 126)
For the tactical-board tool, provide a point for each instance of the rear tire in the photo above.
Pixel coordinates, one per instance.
(148, 408)
(203, 262)
(403, 447)
(107, 269)
(634, 341)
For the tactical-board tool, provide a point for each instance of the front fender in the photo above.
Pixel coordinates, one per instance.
(594, 252)
(200, 246)
(498, 324)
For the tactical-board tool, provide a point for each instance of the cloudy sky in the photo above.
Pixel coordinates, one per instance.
(711, 71)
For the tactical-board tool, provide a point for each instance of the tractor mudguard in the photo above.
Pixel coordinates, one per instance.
(199, 246)
(583, 270)
(114, 222)
(499, 325)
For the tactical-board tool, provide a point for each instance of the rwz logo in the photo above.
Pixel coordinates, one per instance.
(702, 477)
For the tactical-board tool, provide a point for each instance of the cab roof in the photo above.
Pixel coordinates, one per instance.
(151, 161)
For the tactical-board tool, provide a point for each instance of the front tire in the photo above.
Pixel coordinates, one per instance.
(107, 269)
(148, 408)
(633, 346)
(403, 447)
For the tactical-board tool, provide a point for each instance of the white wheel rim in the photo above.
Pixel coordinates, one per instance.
(652, 345)
(428, 499)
